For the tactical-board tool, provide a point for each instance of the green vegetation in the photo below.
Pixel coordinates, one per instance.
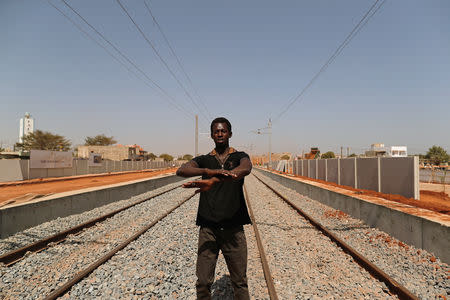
(99, 140)
(329, 154)
(151, 156)
(187, 157)
(44, 140)
(437, 155)
(285, 157)
(352, 155)
(166, 157)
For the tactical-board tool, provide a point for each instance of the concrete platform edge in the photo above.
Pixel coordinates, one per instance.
(17, 218)
(410, 229)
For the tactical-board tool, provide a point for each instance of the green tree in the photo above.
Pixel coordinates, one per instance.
(352, 155)
(187, 157)
(437, 155)
(99, 140)
(329, 154)
(166, 157)
(285, 157)
(151, 156)
(44, 140)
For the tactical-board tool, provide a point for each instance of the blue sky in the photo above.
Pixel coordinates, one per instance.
(247, 59)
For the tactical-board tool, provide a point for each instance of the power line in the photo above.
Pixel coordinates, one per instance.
(160, 58)
(112, 55)
(164, 92)
(177, 59)
(372, 10)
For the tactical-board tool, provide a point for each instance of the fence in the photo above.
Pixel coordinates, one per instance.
(435, 176)
(390, 175)
(16, 169)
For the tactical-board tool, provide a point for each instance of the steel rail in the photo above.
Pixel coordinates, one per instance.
(395, 287)
(14, 256)
(85, 272)
(262, 254)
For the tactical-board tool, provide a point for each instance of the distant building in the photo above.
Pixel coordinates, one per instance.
(117, 152)
(262, 159)
(399, 151)
(377, 150)
(26, 126)
(312, 155)
(141, 154)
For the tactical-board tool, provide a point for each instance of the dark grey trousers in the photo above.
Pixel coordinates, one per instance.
(233, 245)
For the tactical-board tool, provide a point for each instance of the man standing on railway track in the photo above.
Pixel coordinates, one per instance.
(222, 211)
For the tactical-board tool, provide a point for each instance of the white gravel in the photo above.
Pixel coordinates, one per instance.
(37, 274)
(161, 263)
(46, 229)
(304, 263)
(416, 269)
(158, 265)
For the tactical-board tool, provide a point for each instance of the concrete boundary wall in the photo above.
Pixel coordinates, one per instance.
(367, 174)
(390, 175)
(322, 169)
(20, 217)
(305, 167)
(389, 182)
(13, 170)
(347, 169)
(411, 229)
(333, 170)
(16, 169)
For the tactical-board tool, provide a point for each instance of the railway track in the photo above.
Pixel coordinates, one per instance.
(14, 256)
(60, 256)
(148, 250)
(394, 287)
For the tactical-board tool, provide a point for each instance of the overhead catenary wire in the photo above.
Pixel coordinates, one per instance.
(163, 91)
(161, 59)
(367, 16)
(201, 100)
(174, 105)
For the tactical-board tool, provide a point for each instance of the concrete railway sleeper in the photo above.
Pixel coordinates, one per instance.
(13, 256)
(394, 287)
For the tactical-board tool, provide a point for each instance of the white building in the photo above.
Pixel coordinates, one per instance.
(26, 126)
(399, 151)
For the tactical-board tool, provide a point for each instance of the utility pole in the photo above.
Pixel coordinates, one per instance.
(341, 151)
(348, 151)
(270, 143)
(267, 130)
(196, 135)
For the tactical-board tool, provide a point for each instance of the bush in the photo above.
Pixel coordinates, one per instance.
(329, 154)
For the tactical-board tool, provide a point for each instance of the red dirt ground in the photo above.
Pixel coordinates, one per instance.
(23, 191)
(434, 201)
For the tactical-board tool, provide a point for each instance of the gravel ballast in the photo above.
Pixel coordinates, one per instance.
(39, 273)
(416, 269)
(160, 264)
(46, 229)
(305, 263)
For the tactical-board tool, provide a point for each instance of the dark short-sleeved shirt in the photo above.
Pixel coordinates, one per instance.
(224, 205)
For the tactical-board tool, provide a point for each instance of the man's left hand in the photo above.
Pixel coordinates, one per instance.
(202, 185)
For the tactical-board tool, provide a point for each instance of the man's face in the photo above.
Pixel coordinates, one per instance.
(220, 134)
